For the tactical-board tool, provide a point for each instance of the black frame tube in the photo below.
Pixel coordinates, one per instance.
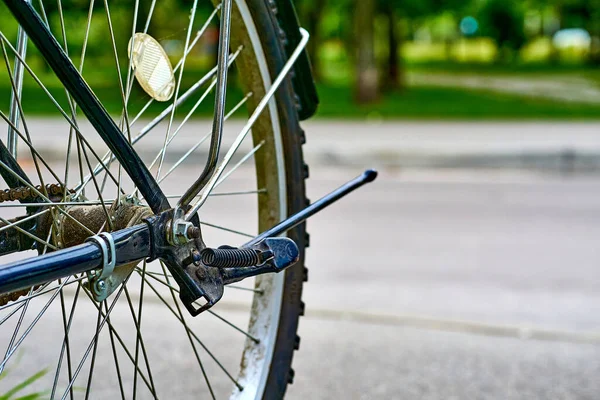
(131, 244)
(68, 74)
(135, 243)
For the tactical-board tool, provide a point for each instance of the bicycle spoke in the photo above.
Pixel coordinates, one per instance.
(90, 178)
(248, 335)
(129, 79)
(139, 339)
(243, 160)
(162, 151)
(258, 291)
(57, 105)
(28, 234)
(16, 330)
(29, 328)
(20, 108)
(124, 97)
(118, 67)
(92, 344)
(66, 203)
(99, 191)
(227, 229)
(242, 135)
(178, 85)
(13, 312)
(260, 191)
(14, 224)
(19, 75)
(118, 337)
(66, 344)
(88, 25)
(16, 130)
(44, 16)
(71, 103)
(109, 157)
(46, 199)
(171, 287)
(179, 316)
(71, 130)
(88, 387)
(116, 359)
(243, 192)
(190, 151)
(188, 331)
(41, 291)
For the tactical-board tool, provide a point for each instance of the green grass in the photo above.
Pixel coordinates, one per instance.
(36, 102)
(504, 69)
(418, 102)
(15, 393)
(450, 103)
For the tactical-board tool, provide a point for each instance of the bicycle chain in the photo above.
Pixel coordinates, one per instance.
(27, 193)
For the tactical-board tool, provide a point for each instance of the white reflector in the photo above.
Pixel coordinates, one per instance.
(152, 67)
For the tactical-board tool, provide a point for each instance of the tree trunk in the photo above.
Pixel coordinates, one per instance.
(313, 21)
(366, 89)
(395, 70)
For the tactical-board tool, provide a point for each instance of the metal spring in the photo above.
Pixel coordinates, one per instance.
(229, 258)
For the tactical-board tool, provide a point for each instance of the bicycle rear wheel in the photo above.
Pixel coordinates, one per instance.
(139, 341)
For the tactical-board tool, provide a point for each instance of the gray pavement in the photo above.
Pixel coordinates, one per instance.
(454, 285)
(429, 283)
(435, 144)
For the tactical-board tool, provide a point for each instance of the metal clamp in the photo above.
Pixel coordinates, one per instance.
(97, 281)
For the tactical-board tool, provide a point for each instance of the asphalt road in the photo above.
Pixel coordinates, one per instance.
(454, 285)
(428, 285)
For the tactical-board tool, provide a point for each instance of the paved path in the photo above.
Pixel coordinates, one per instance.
(454, 286)
(546, 86)
(422, 285)
(530, 145)
(427, 283)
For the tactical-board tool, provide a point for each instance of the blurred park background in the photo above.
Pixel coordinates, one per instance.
(451, 59)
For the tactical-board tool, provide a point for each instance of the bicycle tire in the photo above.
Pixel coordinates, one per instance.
(275, 376)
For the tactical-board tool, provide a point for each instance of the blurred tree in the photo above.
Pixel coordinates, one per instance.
(503, 21)
(393, 76)
(396, 11)
(310, 13)
(366, 86)
(583, 14)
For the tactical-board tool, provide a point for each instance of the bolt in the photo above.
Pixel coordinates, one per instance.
(196, 257)
(100, 286)
(193, 232)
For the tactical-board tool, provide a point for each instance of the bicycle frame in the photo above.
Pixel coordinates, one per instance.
(145, 240)
(137, 243)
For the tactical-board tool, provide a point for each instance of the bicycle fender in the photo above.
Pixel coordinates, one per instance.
(302, 78)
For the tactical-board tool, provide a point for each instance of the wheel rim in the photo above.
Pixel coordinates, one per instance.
(266, 303)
